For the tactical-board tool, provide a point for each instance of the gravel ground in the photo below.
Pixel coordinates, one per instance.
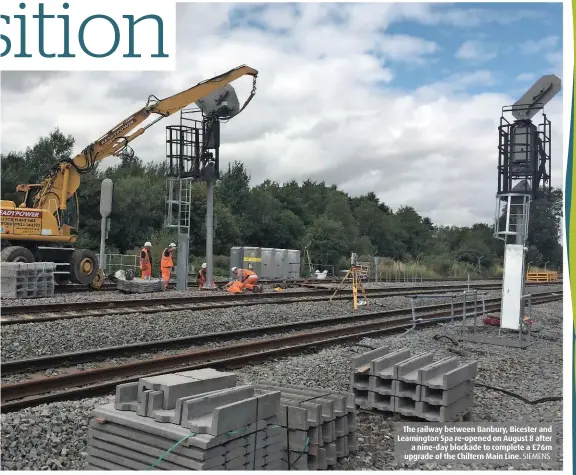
(54, 436)
(55, 337)
(94, 296)
(534, 373)
(48, 338)
(48, 437)
(388, 303)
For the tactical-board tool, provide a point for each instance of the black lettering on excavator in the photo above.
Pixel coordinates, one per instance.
(116, 132)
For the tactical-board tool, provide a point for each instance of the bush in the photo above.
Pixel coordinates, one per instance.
(221, 266)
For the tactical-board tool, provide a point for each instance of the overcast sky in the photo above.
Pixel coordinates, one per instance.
(400, 99)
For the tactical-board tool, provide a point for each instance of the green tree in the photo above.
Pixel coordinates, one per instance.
(327, 241)
(34, 163)
(234, 187)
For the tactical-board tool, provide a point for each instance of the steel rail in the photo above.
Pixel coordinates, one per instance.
(108, 286)
(97, 381)
(91, 307)
(51, 361)
(151, 307)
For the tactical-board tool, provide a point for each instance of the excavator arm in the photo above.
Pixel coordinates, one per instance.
(63, 180)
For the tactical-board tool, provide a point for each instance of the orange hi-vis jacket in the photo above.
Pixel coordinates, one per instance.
(166, 262)
(146, 261)
(246, 273)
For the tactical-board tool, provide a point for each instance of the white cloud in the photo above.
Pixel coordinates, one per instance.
(537, 46)
(325, 109)
(474, 50)
(436, 14)
(548, 48)
(526, 77)
(405, 48)
(457, 84)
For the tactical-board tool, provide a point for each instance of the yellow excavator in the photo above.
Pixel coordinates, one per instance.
(44, 227)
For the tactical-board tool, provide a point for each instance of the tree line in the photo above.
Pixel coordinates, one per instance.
(312, 215)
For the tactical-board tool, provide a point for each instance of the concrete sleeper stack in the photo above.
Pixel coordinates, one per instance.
(192, 420)
(321, 425)
(415, 386)
(23, 280)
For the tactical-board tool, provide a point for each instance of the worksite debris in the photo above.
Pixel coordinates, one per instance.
(140, 286)
(416, 386)
(23, 280)
(200, 420)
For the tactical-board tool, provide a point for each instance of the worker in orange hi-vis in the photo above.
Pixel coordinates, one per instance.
(247, 277)
(234, 287)
(202, 276)
(167, 264)
(146, 261)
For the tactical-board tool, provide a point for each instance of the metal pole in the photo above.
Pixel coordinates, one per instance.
(209, 235)
(103, 243)
(182, 261)
(520, 240)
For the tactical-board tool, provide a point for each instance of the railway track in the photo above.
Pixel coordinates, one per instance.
(65, 310)
(110, 287)
(45, 362)
(69, 310)
(107, 287)
(102, 380)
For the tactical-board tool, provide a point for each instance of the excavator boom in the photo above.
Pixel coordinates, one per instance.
(44, 227)
(63, 180)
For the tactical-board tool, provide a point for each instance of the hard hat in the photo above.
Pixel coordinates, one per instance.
(147, 244)
(234, 269)
(172, 245)
(203, 265)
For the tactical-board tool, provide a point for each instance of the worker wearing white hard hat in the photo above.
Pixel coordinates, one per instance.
(146, 261)
(167, 263)
(246, 277)
(202, 276)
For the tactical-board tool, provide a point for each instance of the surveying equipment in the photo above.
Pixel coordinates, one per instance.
(355, 275)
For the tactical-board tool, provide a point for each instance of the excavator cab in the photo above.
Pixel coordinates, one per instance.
(29, 192)
(71, 215)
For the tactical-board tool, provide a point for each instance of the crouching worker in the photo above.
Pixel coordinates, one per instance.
(247, 278)
(235, 287)
(202, 277)
(167, 263)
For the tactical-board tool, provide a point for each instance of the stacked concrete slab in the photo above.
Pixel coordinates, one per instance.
(320, 423)
(219, 426)
(414, 385)
(23, 280)
(140, 286)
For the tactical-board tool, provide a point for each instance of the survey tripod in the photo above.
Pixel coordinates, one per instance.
(355, 275)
